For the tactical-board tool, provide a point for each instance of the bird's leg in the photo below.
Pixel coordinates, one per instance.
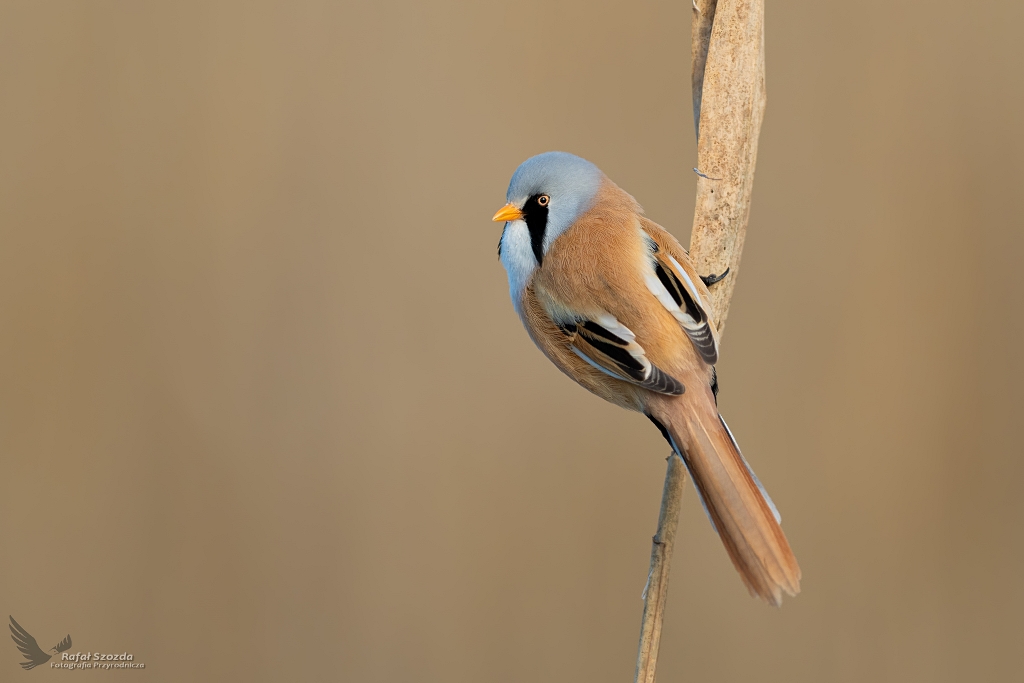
(712, 279)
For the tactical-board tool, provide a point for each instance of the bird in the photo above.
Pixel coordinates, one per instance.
(613, 300)
(30, 648)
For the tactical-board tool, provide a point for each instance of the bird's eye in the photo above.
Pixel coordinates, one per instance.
(543, 200)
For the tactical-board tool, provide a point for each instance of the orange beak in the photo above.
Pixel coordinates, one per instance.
(508, 213)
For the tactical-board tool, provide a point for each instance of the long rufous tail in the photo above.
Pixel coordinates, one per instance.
(738, 506)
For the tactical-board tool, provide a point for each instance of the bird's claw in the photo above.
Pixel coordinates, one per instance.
(712, 279)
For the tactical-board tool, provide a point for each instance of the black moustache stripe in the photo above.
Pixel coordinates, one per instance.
(536, 217)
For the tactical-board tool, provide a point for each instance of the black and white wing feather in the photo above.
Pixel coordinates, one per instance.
(673, 287)
(611, 347)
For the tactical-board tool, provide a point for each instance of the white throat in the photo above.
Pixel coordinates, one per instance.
(518, 259)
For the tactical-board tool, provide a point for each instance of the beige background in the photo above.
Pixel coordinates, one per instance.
(266, 413)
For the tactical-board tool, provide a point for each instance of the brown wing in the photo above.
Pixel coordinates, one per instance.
(611, 347)
(679, 289)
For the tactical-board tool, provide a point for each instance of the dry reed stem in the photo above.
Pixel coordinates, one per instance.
(728, 106)
(657, 581)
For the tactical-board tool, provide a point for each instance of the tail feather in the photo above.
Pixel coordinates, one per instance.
(760, 486)
(739, 508)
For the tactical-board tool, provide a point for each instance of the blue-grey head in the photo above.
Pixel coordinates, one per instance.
(547, 194)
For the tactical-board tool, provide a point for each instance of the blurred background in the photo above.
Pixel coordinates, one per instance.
(266, 412)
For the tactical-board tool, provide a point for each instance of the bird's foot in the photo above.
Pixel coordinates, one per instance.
(712, 279)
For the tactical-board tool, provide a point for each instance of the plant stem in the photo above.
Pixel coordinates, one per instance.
(728, 106)
(661, 559)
